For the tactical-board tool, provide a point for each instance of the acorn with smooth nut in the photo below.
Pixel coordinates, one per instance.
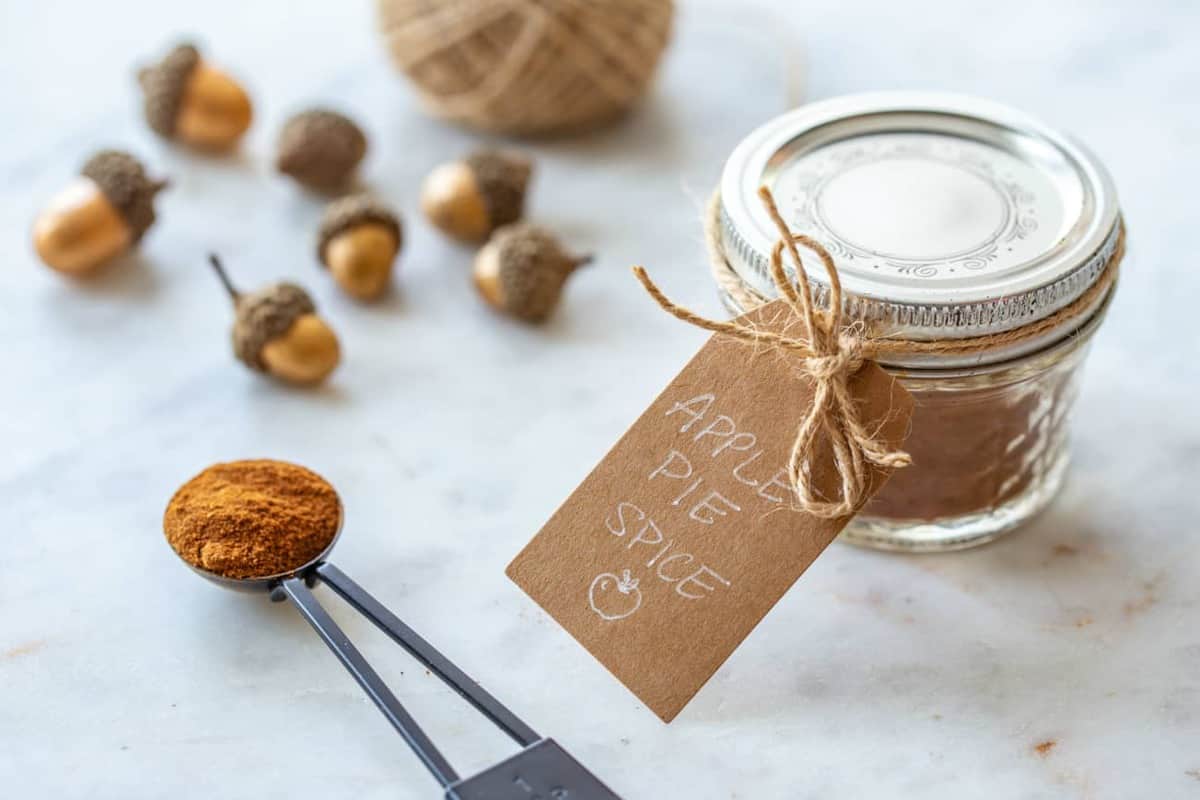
(99, 216)
(359, 239)
(276, 331)
(189, 100)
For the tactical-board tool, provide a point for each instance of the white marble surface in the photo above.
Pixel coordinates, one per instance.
(452, 435)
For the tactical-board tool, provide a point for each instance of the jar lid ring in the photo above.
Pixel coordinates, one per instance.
(883, 346)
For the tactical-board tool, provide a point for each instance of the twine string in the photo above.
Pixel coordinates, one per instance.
(526, 67)
(827, 355)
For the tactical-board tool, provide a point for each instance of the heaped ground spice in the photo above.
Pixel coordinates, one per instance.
(252, 519)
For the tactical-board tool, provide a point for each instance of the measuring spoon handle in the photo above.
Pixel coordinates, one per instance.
(368, 679)
(427, 654)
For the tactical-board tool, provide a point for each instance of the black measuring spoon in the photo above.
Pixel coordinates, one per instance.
(542, 770)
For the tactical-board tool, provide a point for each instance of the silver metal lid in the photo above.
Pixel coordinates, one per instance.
(948, 216)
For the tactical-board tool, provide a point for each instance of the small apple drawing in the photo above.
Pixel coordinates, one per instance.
(615, 597)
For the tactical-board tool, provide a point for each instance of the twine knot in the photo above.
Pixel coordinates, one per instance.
(846, 361)
(828, 355)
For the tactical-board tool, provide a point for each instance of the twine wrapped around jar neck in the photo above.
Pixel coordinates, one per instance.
(832, 350)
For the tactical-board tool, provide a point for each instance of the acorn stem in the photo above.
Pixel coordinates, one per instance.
(234, 294)
(582, 261)
(158, 186)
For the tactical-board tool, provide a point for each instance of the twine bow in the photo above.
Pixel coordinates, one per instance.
(828, 354)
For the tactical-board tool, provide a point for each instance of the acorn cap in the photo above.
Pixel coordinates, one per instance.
(348, 212)
(533, 269)
(265, 315)
(320, 148)
(502, 178)
(163, 85)
(123, 181)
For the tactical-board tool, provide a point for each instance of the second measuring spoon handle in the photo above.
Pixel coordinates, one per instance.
(427, 654)
(368, 679)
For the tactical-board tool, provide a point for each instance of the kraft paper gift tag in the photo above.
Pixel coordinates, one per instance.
(686, 534)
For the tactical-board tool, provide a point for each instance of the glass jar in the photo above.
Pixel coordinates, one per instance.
(949, 218)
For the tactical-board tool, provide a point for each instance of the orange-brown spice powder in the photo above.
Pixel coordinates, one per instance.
(252, 519)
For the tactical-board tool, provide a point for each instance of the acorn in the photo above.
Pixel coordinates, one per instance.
(522, 270)
(320, 149)
(190, 100)
(469, 199)
(99, 216)
(276, 331)
(358, 241)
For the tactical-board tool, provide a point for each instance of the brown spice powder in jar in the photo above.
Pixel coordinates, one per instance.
(252, 519)
(976, 448)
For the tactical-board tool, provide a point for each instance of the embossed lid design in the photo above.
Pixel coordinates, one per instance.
(948, 216)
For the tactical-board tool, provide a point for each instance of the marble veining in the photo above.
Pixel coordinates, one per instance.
(1063, 661)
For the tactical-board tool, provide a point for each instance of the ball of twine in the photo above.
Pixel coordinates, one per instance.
(527, 66)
